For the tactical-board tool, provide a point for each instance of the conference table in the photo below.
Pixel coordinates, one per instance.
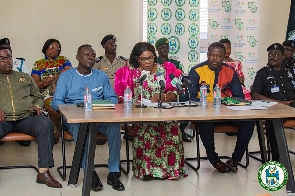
(90, 120)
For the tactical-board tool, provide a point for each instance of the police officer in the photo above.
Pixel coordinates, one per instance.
(162, 46)
(289, 49)
(274, 82)
(19, 64)
(110, 62)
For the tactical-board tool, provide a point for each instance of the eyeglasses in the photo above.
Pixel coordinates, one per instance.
(7, 58)
(273, 55)
(53, 48)
(163, 47)
(144, 59)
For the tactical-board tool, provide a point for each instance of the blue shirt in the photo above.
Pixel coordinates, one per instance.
(71, 86)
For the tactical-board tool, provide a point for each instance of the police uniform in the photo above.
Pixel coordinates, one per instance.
(103, 63)
(20, 65)
(278, 85)
(291, 62)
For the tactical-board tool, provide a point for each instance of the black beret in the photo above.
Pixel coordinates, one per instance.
(106, 38)
(276, 46)
(289, 43)
(161, 42)
(4, 41)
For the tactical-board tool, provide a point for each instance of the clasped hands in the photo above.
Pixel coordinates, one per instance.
(34, 108)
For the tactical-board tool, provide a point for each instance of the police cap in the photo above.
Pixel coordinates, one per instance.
(108, 37)
(289, 43)
(161, 41)
(4, 41)
(276, 46)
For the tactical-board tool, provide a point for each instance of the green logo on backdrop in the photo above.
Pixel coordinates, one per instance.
(179, 3)
(174, 45)
(253, 7)
(239, 56)
(166, 29)
(251, 73)
(180, 14)
(152, 40)
(226, 5)
(252, 41)
(166, 3)
(152, 29)
(272, 176)
(194, 3)
(166, 14)
(193, 29)
(152, 2)
(152, 14)
(193, 42)
(213, 23)
(239, 24)
(194, 15)
(193, 56)
(179, 29)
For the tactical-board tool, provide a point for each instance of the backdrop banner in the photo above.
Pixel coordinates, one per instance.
(237, 20)
(290, 35)
(177, 20)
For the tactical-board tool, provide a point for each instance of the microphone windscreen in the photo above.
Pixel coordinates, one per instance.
(172, 76)
(178, 73)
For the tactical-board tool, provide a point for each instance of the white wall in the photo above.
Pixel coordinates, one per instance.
(273, 19)
(29, 23)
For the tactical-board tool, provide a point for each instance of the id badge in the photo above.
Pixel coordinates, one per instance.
(275, 89)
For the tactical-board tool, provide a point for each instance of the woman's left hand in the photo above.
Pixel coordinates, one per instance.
(156, 97)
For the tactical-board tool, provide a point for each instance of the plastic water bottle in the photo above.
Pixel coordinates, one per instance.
(127, 98)
(87, 100)
(203, 93)
(217, 96)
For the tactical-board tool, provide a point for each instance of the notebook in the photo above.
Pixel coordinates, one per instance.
(97, 104)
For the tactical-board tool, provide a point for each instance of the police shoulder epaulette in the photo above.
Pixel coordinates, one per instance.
(123, 58)
(98, 59)
(22, 59)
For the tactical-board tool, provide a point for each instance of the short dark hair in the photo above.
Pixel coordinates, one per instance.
(48, 43)
(138, 49)
(83, 46)
(224, 41)
(216, 44)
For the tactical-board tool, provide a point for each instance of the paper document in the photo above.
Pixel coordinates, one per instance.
(264, 103)
(154, 104)
(248, 107)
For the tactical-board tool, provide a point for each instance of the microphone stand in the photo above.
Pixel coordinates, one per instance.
(141, 101)
(189, 104)
(160, 99)
(178, 104)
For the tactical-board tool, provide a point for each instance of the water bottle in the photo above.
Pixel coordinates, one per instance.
(87, 100)
(127, 98)
(217, 96)
(203, 93)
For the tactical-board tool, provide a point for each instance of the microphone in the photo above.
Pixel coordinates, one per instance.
(175, 82)
(162, 85)
(187, 82)
(141, 79)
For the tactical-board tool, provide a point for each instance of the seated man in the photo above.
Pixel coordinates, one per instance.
(214, 71)
(20, 65)
(275, 82)
(289, 50)
(20, 105)
(70, 88)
